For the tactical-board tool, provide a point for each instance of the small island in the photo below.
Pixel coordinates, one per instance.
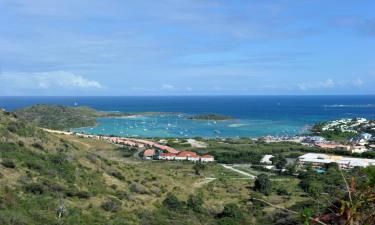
(209, 117)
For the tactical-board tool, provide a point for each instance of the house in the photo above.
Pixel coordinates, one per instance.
(166, 156)
(320, 160)
(207, 158)
(148, 153)
(266, 159)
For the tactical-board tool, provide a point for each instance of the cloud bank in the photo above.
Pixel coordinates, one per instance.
(52, 81)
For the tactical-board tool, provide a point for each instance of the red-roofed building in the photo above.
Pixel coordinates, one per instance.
(167, 156)
(185, 155)
(148, 154)
(207, 158)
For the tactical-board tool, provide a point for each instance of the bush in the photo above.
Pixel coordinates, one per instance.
(38, 146)
(282, 191)
(35, 188)
(8, 163)
(138, 188)
(117, 174)
(231, 211)
(112, 205)
(195, 203)
(173, 203)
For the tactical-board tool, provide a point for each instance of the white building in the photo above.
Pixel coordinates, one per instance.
(319, 160)
(166, 156)
(207, 158)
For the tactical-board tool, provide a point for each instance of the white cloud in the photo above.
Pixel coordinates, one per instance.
(358, 82)
(167, 86)
(47, 80)
(326, 84)
(329, 84)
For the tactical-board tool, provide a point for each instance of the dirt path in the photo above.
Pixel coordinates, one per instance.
(251, 176)
(203, 182)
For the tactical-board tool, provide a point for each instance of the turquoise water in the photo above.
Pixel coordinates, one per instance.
(255, 115)
(178, 126)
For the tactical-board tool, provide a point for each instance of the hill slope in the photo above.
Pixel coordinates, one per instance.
(58, 179)
(61, 117)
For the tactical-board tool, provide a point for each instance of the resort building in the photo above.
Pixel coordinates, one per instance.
(185, 155)
(207, 158)
(166, 156)
(149, 154)
(320, 160)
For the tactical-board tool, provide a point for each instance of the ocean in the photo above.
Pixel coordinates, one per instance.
(254, 116)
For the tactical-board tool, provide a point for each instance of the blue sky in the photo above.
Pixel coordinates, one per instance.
(187, 47)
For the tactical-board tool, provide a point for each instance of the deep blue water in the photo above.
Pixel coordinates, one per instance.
(255, 115)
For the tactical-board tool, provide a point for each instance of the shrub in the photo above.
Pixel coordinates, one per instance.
(173, 203)
(282, 191)
(117, 174)
(138, 188)
(34, 188)
(38, 146)
(8, 163)
(232, 211)
(112, 205)
(195, 203)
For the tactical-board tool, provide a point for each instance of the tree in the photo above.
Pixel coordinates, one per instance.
(279, 161)
(198, 168)
(263, 184)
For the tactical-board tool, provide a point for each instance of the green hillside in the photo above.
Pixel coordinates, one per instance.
(61, 179)
(61, 117)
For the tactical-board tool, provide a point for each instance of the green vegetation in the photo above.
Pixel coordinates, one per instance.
(263, 184)
(62, 117)
(209, 117)
(60, 179)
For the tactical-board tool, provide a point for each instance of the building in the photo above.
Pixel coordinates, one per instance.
(184, 155)
(207, 158)
(313, 139)
(149, 153)
(318, 160)
(167, 156)
(366, 136)
(333, 146)
(266, 159)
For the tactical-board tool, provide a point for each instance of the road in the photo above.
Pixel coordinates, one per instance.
(229, 167)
